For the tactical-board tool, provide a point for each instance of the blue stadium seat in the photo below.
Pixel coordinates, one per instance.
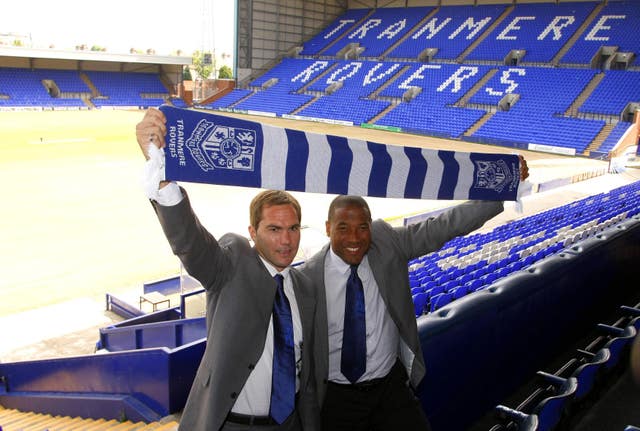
(341, 25)
(420, 303)
(586, 374)
(611, 28)
(539, 29)
(519, 421)
(550, 409)
(617, 88)
(440, 300)
(381, 30)
(451, 30)
(620, 340)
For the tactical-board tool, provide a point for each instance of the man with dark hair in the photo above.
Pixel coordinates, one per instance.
(255, 373)
(367, 354)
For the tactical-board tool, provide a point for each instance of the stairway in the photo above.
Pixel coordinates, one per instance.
(599, 139)
(15, 420)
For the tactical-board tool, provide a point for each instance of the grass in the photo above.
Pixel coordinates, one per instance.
(73, 208)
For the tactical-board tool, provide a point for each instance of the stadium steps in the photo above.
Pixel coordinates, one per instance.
(94, 90)
(383, 113)
(473, 90)
(355, 25)
(479, 123)
(599, 139)
(567, 46)
(410, 32)
(15, 420)
(376, 92)
(305, 105)
(242, 99)
(304, 88)
(166, 82)
(486, 33)
(572, 110)
(464, 101)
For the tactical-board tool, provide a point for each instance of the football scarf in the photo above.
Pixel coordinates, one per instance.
(207, 148)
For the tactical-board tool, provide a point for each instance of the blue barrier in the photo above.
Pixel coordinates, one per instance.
(141, 385)
(121, 307)
(166, 286)
(171, 334)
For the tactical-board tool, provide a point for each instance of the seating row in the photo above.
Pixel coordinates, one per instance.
(539, 31)
(474, 262)
(25, 87)
(561, 398)
(359, 91)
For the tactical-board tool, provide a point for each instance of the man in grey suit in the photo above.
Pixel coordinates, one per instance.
(366, 381)
(251, 294)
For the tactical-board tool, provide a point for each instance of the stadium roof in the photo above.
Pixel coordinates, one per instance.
(35, 53)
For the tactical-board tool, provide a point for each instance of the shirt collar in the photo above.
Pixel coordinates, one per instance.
(340, 265)
(272, 270)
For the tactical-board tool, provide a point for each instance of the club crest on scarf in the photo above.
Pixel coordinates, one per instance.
(493, 175)
(214, 146)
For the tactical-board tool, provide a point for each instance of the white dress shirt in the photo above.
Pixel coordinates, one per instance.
(382, 334)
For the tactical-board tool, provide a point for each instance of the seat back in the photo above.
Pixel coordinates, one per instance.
(549, 410)
(586, 373)
(618, 345)
(521, 420)
(420, 302)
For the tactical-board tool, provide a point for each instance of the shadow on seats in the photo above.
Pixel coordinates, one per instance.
(542, 411)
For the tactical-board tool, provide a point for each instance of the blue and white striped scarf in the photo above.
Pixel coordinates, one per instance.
(214, 149)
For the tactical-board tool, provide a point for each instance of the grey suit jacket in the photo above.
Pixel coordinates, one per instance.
(389, 254)
(240, 294)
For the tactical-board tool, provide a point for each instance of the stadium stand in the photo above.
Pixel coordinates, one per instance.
(540, 30)
(127, 89)
(27, 88)
(545, 94)
(450, 30)
(455, 75)
(474, 262)
(610, 28)
(614, 92)
(333, 32)
(379, 31)
(277, 90)
(55, 89)
(431, 112)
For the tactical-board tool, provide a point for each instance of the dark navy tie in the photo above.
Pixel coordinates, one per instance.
(354, 342)
(283, 385)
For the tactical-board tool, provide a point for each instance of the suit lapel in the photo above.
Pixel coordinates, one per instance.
(264, 288)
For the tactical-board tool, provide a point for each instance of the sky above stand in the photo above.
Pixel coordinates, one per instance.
(119, 25)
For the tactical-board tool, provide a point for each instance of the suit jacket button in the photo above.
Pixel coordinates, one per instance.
(233, 395)
(251, 366)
